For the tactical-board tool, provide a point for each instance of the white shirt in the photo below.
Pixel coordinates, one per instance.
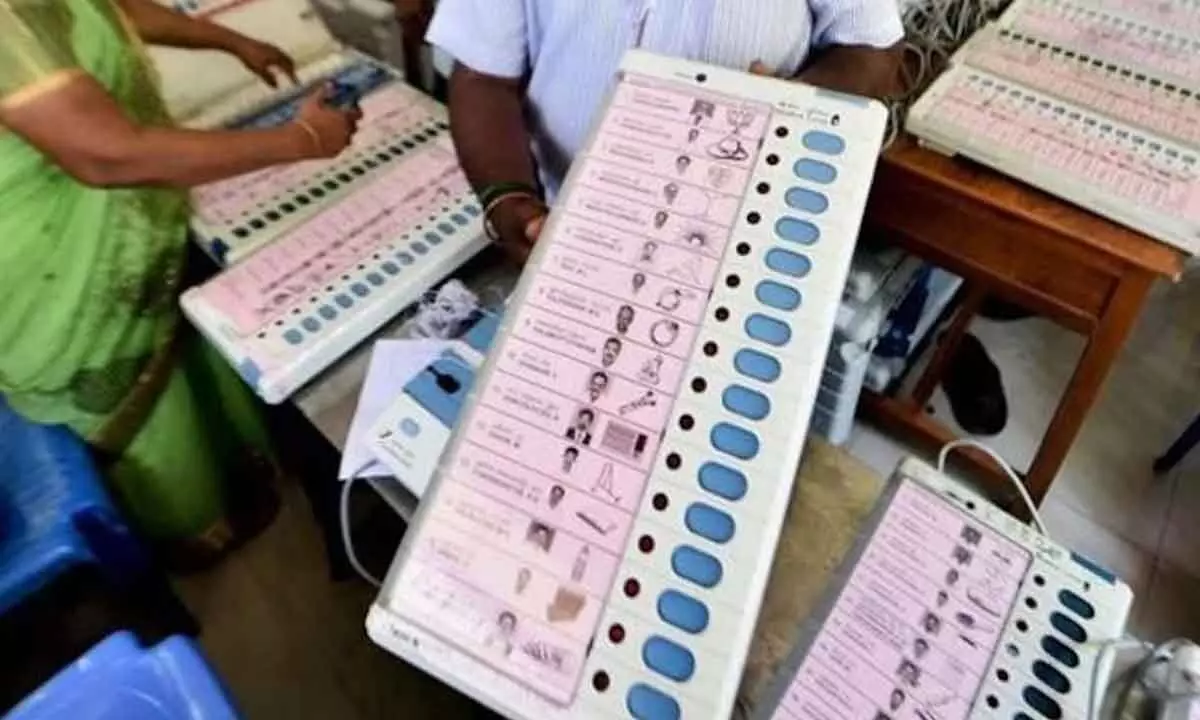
(571, 49)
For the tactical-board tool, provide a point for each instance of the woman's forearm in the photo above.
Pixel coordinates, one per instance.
(159, 25)
(185, 158)
(112, 151)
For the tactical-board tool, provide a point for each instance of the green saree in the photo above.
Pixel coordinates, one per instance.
(90, 332)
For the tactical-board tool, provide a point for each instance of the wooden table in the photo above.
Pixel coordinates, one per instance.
(1011, 241)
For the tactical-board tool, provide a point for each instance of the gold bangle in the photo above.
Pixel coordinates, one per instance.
(312, 133)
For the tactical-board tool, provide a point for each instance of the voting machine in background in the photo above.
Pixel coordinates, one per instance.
(1096, 101)
(319, 254)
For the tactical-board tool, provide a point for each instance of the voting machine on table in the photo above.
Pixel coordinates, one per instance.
(1097, 101)
(321, 253)
(598, 539)
(207, 89)
(948, 608)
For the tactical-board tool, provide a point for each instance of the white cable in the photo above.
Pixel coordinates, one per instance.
(934, 30)
(1096, 694)
(347, 541)
(344, 503)
(1012, 474)
(1157, 654)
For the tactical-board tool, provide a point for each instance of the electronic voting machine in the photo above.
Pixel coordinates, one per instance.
(1096, 101)
(318, 254)
(598, 538)
(948, 608)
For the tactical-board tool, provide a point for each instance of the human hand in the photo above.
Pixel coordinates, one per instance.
(865, 71)
(329, 129)
(758, 67)
(518, 223)
(413, 12)
(264, 60)
(818, 75)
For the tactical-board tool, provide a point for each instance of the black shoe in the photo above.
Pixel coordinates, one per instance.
(993, 308)
(976, 393)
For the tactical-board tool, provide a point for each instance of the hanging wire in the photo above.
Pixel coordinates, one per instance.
(933, 31)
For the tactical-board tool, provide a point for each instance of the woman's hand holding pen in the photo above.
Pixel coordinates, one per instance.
(326, 130)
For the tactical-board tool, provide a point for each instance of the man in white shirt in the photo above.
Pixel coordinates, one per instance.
(530, 74)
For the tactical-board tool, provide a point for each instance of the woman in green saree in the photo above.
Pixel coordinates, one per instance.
(93, 220)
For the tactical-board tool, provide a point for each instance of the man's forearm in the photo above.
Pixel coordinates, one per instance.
(159, 25)
(490, 133)
(858, 70)
(487, 120)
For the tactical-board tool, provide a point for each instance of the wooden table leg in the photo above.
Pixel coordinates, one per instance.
(948, 345)
(906, 415)
(1103, 347)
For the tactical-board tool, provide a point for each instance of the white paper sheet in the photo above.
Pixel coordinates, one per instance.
(393, 364)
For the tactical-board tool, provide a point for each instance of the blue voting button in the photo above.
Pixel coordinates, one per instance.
(1058, 650)
(746, 402)
(1051, 676)
(757, 365)
(1042, 702)
(797, 230)
(647, 703)
(1076, 604)
(733, 440)
(807, 200)
(709, 523)
(668, 658)
(683, 611)
(1067, 626)
(815, 170)
(722, 481)
(410, 427)
(788, 262)
(777, 295)
(768, 330)
(823, 142)
(696, 565)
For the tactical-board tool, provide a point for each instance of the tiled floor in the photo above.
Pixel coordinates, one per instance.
(1106, 502)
